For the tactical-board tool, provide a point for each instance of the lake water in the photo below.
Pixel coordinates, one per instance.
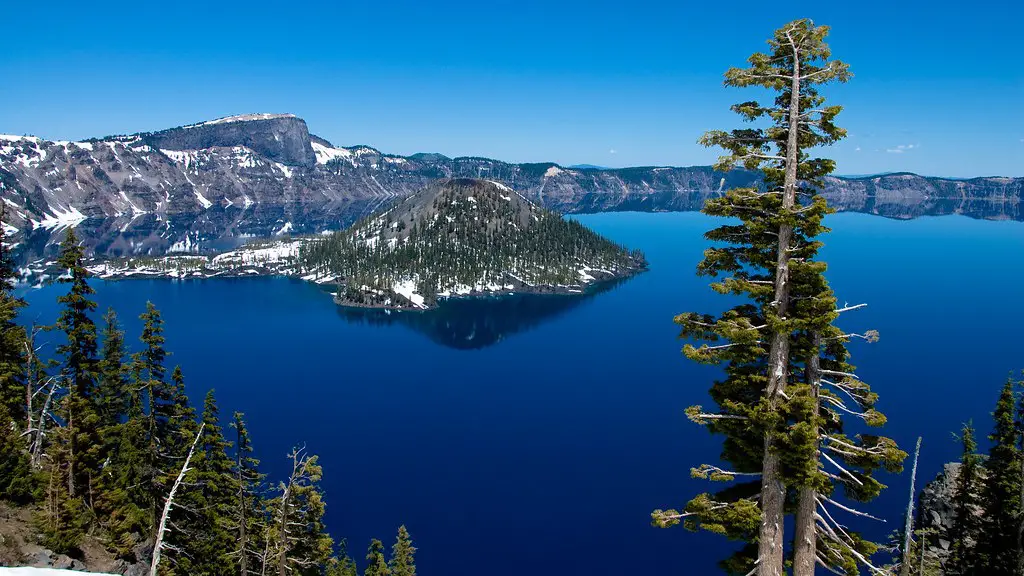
(536, 435)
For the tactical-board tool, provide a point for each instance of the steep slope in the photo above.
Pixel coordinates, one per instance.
(271, 162)
(464, 237)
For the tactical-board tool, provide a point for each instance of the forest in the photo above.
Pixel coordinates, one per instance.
(102, 443)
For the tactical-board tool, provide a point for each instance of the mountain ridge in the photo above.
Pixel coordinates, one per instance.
(272, 160)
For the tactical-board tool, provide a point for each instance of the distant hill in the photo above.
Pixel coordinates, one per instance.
(464, 237)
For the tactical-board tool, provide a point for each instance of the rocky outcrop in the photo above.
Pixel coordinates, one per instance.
(281, 138)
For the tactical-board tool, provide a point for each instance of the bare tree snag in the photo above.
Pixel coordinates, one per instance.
(162, 528)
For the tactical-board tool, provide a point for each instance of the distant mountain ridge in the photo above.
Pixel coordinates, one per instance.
(270, 162)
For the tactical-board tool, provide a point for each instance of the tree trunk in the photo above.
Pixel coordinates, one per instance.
(243, 558)
(158, 544)
(805, 542)
(905, 566)
(770, 537)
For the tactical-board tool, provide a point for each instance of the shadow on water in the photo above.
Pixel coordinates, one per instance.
(479, 322)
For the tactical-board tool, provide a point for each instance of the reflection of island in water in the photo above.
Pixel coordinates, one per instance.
(479, 321)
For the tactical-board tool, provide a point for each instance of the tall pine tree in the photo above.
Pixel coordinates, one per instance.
(376, 565)
(767, 258)
(997, 550)
(966, 508)
(248, 510)
(402, 561)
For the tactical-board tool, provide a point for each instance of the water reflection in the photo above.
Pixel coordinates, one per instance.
(479, 322)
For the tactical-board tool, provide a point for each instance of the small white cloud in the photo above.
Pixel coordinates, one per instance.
(613, 151)
(902, 148)
(857, 149)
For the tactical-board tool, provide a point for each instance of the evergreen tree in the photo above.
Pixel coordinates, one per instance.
(80, 370)
(997, 549)
(342, 564)
(12, 340)
(375, 563)
(402, 562)
(248, 510)
(966, 519)
(202, 536)
(15, 472)
(112, 394)
(297, 540)
(79, 351)
(770, 401)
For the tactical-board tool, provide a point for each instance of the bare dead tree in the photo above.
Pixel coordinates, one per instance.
(162, 527)
(906, 566)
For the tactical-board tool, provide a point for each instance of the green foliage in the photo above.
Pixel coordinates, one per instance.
(342, 564)
(966, 508)
(787, 383)
(375, 563)
(402, 561)
(462, 233)
(79, 351)
(296, 534)
(997, 550)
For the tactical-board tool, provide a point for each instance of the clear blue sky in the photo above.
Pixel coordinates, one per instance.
(938, 87)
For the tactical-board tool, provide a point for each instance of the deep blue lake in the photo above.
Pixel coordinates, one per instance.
(534, 436)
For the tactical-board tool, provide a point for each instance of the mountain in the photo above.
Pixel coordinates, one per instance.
(463, 236)
(258, 173)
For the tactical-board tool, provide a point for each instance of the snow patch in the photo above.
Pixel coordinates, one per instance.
(60, 219)
(240, 118)
(407, 288)
(552, 172)
(325, 154)
(283, 229)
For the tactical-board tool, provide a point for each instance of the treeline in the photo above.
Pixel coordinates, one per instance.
(103, 443)
(987, 534)
(467, 236)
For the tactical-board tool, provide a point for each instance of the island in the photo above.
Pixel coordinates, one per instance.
(457, 237)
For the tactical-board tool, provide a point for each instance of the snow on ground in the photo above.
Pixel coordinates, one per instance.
(241, 118)
(500, 185)
(552, 172)
(26, 571)
(263, 254)
(325, 154)
(60, 219)
(283, 229)
(407, 288)
(286, 170)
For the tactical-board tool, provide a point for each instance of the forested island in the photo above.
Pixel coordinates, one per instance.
(463, 237)
(455, 238)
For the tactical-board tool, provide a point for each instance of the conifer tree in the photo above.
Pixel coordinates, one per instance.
(375, 563)
(80, 370)
(112, 394)
(248, 510)
(81, 347)
(402, 561)
(12, 338)
(764, 258)
(966, 510)
(297, 541)
(342, 564)
(202, 531)
(15, 472)
(997, 550)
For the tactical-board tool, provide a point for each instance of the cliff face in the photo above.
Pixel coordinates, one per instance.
(281, 138)
(259, 173)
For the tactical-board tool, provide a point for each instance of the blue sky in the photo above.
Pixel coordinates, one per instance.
(938, 86)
